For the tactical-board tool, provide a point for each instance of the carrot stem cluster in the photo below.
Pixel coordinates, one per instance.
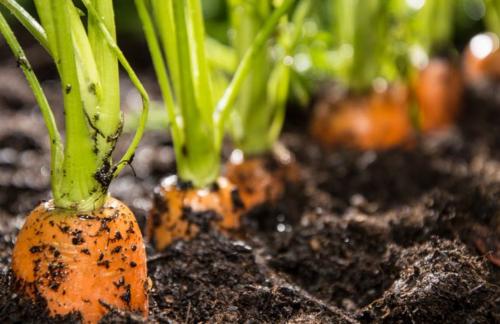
(259, 112)
(176, 37)
(87, 60)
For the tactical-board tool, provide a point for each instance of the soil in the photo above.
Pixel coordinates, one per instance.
(405, 235)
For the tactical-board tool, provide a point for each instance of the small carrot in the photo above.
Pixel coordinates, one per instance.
(482, 58)
(262, 179)
(438, 92)
(379, 120)
(82, 251)
(176, 38)
(175, 202)
(259, 112)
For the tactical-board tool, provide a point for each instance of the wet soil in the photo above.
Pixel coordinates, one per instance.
(406, 235)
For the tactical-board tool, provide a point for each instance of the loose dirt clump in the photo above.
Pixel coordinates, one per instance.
(439, 282)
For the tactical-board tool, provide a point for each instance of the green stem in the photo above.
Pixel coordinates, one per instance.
(161, 72)
(165, 22)
(107, 120)
(226, 102)
(196, 128)
(79, 189)
(199, 62)
(27, 21)
(200, 157)
(128, 156)
(493, 16)
(55, 138)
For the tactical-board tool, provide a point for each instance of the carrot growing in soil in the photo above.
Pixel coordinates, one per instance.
(82, 251)
(370, 109)
(482, 56)
(175, 34)
(259, 166)
(436, 83)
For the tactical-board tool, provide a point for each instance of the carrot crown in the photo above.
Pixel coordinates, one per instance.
(259, 111)
(175, 33)
(87, 60)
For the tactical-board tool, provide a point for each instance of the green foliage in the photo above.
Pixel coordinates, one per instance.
(87, 62)
(361, 41)
(260, 108)
(493, 16)
(175, 33)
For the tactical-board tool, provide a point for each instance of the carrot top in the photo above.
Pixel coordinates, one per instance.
(259, 111)
(87, 60)
(176, 36)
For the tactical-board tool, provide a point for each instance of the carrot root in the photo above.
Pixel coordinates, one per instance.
(482, 58)
(261, 179)
(83, 263)
(175, 201)
(438, 91)
(379, 120)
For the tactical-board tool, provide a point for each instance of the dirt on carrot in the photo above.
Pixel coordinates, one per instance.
(86, 263)
(179, 210)
(262, 179)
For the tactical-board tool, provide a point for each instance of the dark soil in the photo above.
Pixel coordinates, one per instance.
(406, 235)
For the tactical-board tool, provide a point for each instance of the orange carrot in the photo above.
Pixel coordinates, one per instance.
(261, 179)
(84, 262)
(175, 200)
(379, 120)
(482, 58)
(438, 91)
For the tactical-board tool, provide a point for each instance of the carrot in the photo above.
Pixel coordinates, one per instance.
(482, 58)
(86, 262)
(83, 250)
(176, 38)
(379, 120)
(175, 201)
(438, 91)
(260, 108)
(261, 179)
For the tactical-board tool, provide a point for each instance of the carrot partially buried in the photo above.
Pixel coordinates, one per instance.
(176, 38)
(180, 209)
(87, 262)
(262, 179)
(438, 89)
(482, 58)
(261, 167)
(377, 120)
(82, 251)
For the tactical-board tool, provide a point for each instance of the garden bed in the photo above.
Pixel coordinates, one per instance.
(403, 235)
